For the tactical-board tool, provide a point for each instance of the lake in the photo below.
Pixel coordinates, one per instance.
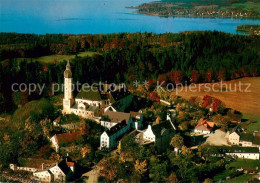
(98, 16)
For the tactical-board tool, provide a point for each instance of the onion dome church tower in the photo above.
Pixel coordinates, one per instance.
(68, 100)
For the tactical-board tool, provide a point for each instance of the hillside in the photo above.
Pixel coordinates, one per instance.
(246, 102)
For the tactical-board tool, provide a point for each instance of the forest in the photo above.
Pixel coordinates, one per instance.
(195, 57)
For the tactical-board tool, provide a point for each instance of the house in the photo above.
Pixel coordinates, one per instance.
(234, 135)
(204, 127)
(62, 139)
(56, 173)
(246, 140)
(159, 133)
(110, 137)
(242, 152)
(91, 101)
(110, 119)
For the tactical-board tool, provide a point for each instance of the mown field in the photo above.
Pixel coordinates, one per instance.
(58, 58)
(246, 102)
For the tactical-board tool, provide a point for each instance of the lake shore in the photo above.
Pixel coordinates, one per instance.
(170, 9)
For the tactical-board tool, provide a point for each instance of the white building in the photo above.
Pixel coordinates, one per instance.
(160, 134)
(243, 152)
(234, 136)
(111, 118)
(204, 127)
(92, 100)
(57, 173)
(109, 138)
(65, 139)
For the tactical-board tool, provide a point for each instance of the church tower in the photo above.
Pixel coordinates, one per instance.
(68, 96)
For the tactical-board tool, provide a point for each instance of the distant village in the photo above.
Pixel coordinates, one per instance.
(109, 108)
(171, 9)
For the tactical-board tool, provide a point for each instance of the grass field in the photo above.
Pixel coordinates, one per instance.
(253, 126)
(242, 163)
(241, 178)
(246, 102)
(58, 58)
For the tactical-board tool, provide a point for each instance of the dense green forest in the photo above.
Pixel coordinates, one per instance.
(189, 56)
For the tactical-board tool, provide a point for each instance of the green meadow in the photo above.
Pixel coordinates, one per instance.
(58, 58)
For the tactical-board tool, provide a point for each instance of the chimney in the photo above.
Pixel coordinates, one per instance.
(43, 166)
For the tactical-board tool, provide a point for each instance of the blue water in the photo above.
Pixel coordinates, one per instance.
(98, 16)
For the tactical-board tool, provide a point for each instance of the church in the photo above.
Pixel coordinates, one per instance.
(91, 102)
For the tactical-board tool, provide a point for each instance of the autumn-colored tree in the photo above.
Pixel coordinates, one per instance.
(221, 75)
(184, 126)
(209, 76)
(109, 169)
(86, 150)
(142, 91)
(141, 166)
(176, 77)
(173, 178)
(154, 97)
(183, 161)
(177, 141)
(206, 101)
(162, 80)
(208, 180)
(216, 104)
(194, 76)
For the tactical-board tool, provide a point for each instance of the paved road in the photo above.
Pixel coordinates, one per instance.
(92, 175)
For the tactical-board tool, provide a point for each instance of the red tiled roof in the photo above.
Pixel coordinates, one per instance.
(70, 163)
(66, 138)
(208, 124)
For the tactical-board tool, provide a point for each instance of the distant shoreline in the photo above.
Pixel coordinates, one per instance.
(177, 9)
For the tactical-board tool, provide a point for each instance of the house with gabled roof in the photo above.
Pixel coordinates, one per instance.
(204, 127)
(58, 172)
(234, 135)
(62, 139)
(109, 138)
(158, 133)
(111, 119)
(246, 140)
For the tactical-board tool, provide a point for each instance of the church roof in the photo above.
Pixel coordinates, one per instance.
(89, 93)
(119, 94)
